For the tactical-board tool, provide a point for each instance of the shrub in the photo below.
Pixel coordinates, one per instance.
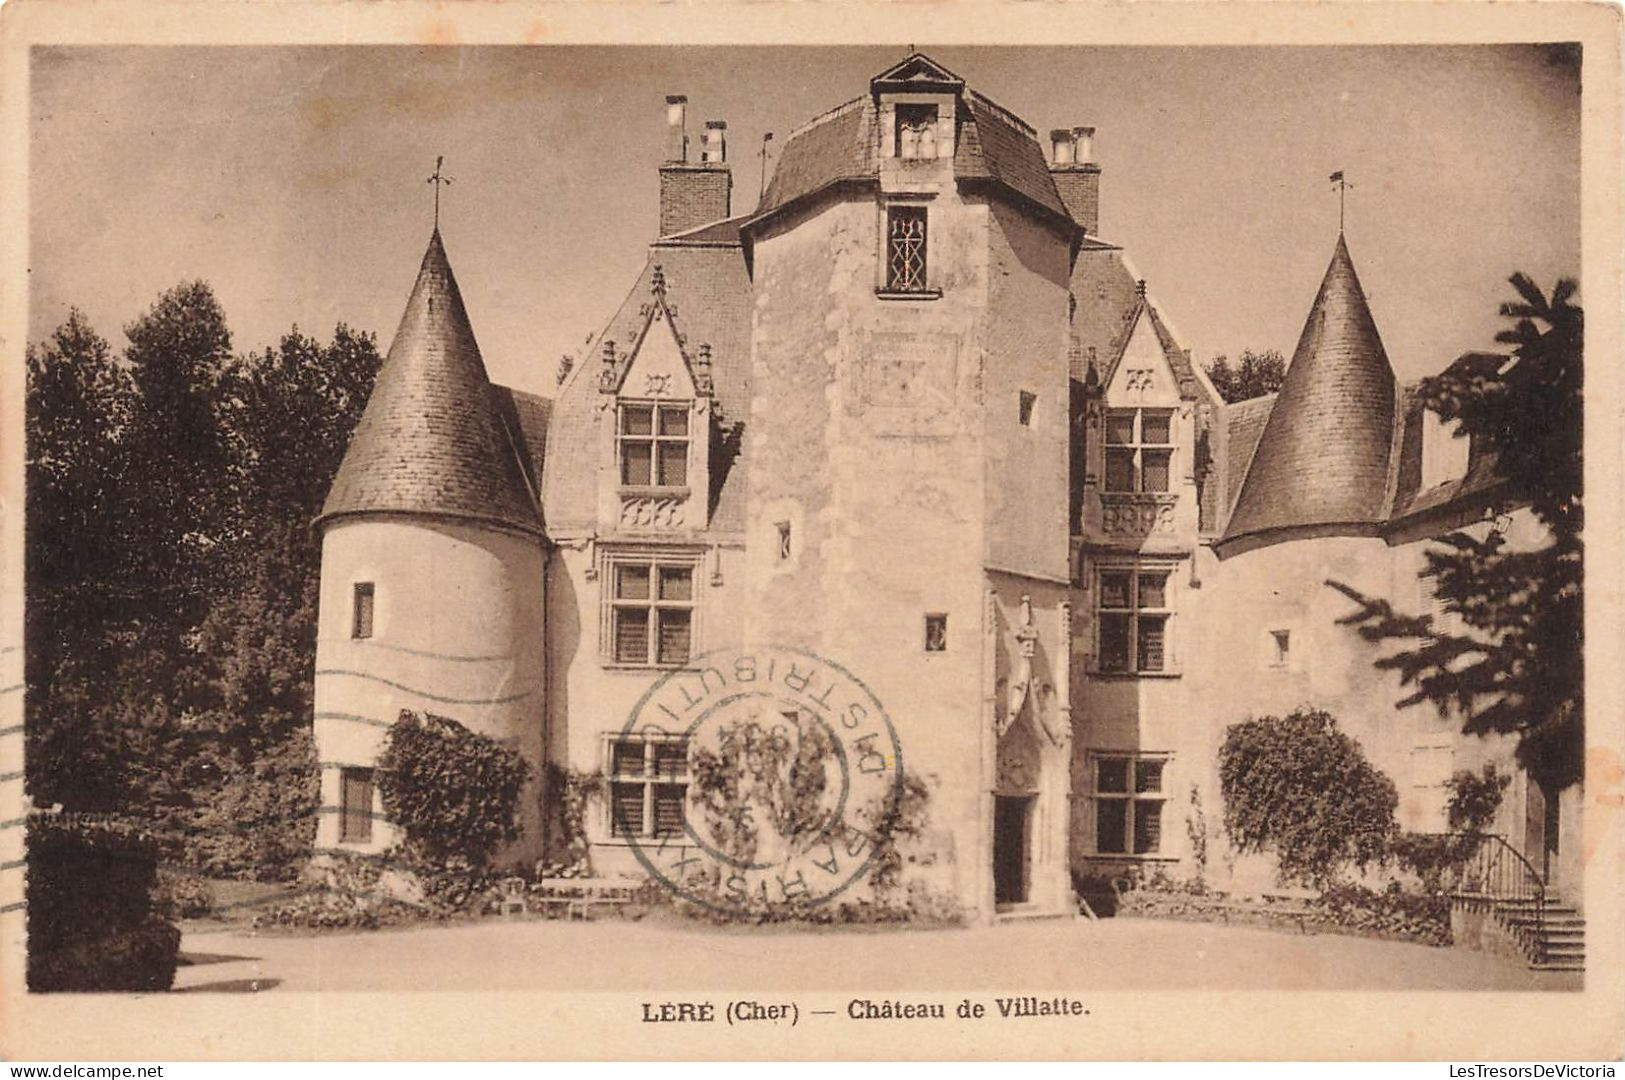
(184, 896)
(454, 793)
(91, 918)
(1297, 786)
(1475, 798)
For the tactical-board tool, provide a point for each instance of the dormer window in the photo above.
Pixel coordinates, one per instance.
(654, 445)
(905, 249)
(916, 134)
(1139, 450)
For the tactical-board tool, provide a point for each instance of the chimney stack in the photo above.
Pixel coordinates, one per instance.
(714, 143)
(1076, 176)
(693, 193)
(676, 127)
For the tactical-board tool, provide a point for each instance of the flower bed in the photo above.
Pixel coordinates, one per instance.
(1344, 909)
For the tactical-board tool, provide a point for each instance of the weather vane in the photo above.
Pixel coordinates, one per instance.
(437, 180)
(1342, 189)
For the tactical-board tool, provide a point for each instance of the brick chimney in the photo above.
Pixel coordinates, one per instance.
(693, 193)
(1077, 177)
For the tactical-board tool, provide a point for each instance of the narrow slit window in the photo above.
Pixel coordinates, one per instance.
(1028, 401)
(784, 541)
(1282, 642)
(355, 806)
(936, 633)
(362, 610)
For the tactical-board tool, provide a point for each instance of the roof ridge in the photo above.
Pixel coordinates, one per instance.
(826, 115)
(1006, 113)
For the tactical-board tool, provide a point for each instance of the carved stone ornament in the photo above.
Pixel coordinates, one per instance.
(609, 379)
(656, 384)
(1139, 380)
(1022, 678)
(1136, 517)
(1015, 772)
(654, 511)
(1048, 720)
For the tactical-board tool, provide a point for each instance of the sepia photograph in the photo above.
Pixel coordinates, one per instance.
(875, 539)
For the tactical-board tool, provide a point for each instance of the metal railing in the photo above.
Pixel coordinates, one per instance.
(1493, 872)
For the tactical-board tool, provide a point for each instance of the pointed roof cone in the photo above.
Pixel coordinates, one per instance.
(1322, 464)
(431, 440)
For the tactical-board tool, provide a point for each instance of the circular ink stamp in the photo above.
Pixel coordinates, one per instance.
(757, 779)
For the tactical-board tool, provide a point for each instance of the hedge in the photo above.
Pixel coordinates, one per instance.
(92, 922)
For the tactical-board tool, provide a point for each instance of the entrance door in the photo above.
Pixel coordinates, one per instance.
(1011, 839)
(1541, 829)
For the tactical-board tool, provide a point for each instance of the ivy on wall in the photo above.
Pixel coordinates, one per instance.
(1296, 786)
(454, 793)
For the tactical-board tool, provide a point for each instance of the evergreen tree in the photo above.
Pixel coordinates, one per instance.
(79, 403)
(1517, 665)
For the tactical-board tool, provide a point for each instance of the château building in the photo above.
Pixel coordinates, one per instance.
(916, 414)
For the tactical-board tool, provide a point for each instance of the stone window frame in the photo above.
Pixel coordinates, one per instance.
(363, 610)
(356, 814)
(920, 118)
(1027, 408)
(1137, 448)
(609, 563)
(656, 438)
(936, 632)
(654, 778)
(1132, 797)
(1135, 612)
(888, 287)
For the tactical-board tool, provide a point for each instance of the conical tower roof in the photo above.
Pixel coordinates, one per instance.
(1322, 464)
(431, 440)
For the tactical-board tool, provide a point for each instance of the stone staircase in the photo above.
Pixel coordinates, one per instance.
(1556, 930)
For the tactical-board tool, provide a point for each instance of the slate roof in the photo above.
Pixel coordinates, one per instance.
(837, 146)
(995, 143)
(1244, 425)
(1324, 462)
(843, 145)
(433, 438)
(709, 295)
(1105, 299)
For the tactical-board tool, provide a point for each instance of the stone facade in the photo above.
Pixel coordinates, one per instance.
(912, 416)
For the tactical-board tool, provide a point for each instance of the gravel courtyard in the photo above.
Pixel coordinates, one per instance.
(1113, 954)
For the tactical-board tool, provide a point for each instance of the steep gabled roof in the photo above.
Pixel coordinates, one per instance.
(1178, 361)
(433, 439)
(709, 296)
(1324, 463)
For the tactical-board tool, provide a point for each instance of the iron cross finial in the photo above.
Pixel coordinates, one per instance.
(438, 180)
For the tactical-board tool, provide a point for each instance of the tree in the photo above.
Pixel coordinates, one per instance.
(254, 785)
(79, 404)
(1516, 667)
(173, 573)
(1256, 375)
